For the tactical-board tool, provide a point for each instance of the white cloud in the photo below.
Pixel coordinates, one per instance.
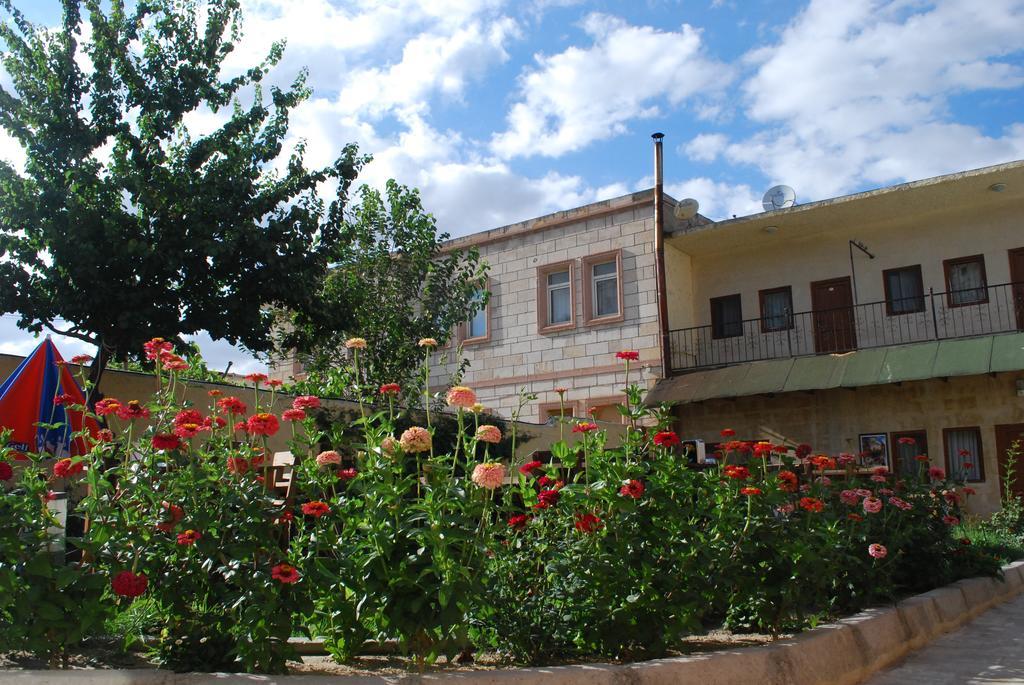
(858, 93)
(718, 200)
(705, 147)
(585, 94)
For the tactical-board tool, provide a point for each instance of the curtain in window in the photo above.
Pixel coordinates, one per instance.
(606, 289)
(966, 283)
(905, 453)
(906, 291)
(559, 305)
(963, 453)
(777, 309)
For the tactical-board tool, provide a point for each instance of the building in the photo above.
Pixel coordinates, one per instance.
(853, 322)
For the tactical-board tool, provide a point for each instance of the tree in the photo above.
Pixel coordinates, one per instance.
(124, 225)
(393, 283)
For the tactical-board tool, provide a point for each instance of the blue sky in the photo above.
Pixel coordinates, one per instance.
(501, 110)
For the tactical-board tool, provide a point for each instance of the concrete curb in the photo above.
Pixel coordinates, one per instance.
(841, 653)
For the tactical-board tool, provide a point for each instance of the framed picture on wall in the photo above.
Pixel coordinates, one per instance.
(874, 449)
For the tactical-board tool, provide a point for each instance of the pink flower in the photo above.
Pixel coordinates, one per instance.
(845, 458)
(356, 343)
(900, 503)
(877, 551)
(628, 355)
(107, 406)
(293, 415)
(849, 498)
(786, 509)
(872, 505)
(488, 433)
(489, 475)
(389, 445)
(306, 402)
(877, 478)
(154, 347)
(328, 458)
(415, 439)
(132, 411)
(427, 342)
(461, 396)
(935, 473)
(584, 427)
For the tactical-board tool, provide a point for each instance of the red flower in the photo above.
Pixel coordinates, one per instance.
(286, 515)
(390, 389)
(666, 439)
(544, 481)
(237, 465)
(240, 426)
(750, 491)
(274, 383)
(802, 450)
(633, 488)
(787, 481)
(213, 421)
(315, 509)
(128, 584)
(189, 537)
(584, 427)
(257, 378)
(64, 398)
(923, 458)
(763, 450)
(628, 355)
(293, 415)
(950, 520)
(737, 472)
(587, 523)
(65, 468)
(81, 359)
(822, 462)
(175, 514)
(231, 405)
(347, 474)
(166, 441)
(132, 411)
(530, 466)
(6, 472)
(935, 473)
(105, 435)
(154, 347)
(188, 416)
(855, 517)
(518, 522)
(964, 453)
(263, 424)
(906, 441)
(285, 573)
(546, 499)
(728, 432)
(306, 402)
(187, 430)
(214, 393)
(812, 504)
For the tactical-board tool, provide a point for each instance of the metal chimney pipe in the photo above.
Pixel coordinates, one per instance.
(659, 253)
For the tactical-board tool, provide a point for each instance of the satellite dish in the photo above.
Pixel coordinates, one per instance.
(686, 209)
(778, 197)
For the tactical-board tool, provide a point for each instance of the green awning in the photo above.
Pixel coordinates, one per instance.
(896, 364)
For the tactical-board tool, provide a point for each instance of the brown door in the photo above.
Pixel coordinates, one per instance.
(832, 302)
(1005, 437)
(1017, 278)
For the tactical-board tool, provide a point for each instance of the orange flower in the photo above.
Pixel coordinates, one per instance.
(461, 396)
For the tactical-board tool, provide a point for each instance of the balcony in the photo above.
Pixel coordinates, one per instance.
(930, 316)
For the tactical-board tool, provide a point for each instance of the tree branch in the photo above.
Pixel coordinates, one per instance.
(73, 332)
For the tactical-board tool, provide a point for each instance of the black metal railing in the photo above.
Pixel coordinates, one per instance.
(930, 316)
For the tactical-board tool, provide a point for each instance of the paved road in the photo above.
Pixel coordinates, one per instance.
(988, 650)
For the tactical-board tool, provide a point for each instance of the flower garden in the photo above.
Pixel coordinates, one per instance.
(602, 551)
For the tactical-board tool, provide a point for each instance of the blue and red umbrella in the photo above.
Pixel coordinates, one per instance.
(40, 391)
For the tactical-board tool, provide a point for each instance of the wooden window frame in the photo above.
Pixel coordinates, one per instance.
(714, 332)
(788, 289)
(463, 333)
(589, 263)
(543, 326)
(947, 263)
(894, 437)
(544, 409)
(609, 401)
(888, 293)
(979, 458)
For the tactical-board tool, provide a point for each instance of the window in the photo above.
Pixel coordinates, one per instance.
(555, 297)
(907, 445)
(726, 317)
(963, 454)
(965, 281)
(550, 410)
(605, 409)
(602, 295)
(904, 290)
(477, 329)
(776, 309)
